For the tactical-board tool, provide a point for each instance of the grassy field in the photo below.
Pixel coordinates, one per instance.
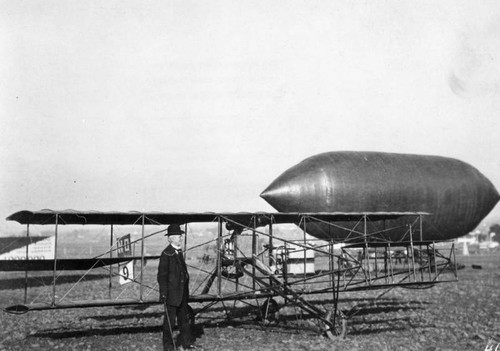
(451, 316)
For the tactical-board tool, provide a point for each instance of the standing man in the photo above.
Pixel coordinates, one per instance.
(173, 279)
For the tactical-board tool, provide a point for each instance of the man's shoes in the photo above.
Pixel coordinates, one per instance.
(190, 347)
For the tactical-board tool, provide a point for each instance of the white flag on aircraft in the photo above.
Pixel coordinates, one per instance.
(126, 274)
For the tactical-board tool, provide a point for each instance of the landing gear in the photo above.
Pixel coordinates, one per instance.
(269, 311)
(338, 327)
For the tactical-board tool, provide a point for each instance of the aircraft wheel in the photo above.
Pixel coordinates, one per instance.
(339, 329)
(269, 311)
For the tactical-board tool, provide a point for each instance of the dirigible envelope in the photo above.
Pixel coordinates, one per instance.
(456, 195)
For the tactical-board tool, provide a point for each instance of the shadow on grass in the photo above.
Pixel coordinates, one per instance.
(385, 307)
(248, 316)
(33, 282)
(198, 331)
(363, 307)
(124, 316)
(289, 324)
(373, 327)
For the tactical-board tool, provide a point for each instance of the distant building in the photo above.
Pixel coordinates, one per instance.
(471, 243)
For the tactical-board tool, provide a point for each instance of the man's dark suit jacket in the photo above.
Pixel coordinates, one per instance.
(173, 278)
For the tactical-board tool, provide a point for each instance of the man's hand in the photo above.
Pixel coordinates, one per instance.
(163, 298)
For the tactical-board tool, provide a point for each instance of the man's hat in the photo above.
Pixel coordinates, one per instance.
(174, 229)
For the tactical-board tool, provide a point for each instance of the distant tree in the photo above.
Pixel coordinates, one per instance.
(495, 228)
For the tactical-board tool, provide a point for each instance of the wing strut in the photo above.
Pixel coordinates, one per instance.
(55, 263)
(26, 272)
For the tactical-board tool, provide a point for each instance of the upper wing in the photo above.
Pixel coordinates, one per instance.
(106, 218)
(248, 219)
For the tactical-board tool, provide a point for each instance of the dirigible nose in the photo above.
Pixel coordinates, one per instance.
(270, 194)
(281, 193)
(302, 188)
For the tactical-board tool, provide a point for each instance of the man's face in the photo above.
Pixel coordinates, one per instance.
(175, 239)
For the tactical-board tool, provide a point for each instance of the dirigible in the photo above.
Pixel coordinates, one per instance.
(455, 194)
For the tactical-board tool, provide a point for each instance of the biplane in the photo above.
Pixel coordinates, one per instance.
(247, 258)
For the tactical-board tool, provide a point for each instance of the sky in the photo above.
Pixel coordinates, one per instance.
(199, 105)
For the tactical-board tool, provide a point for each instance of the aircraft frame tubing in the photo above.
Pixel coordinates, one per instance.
(54, 304)
(362, 265)
(371, 275)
